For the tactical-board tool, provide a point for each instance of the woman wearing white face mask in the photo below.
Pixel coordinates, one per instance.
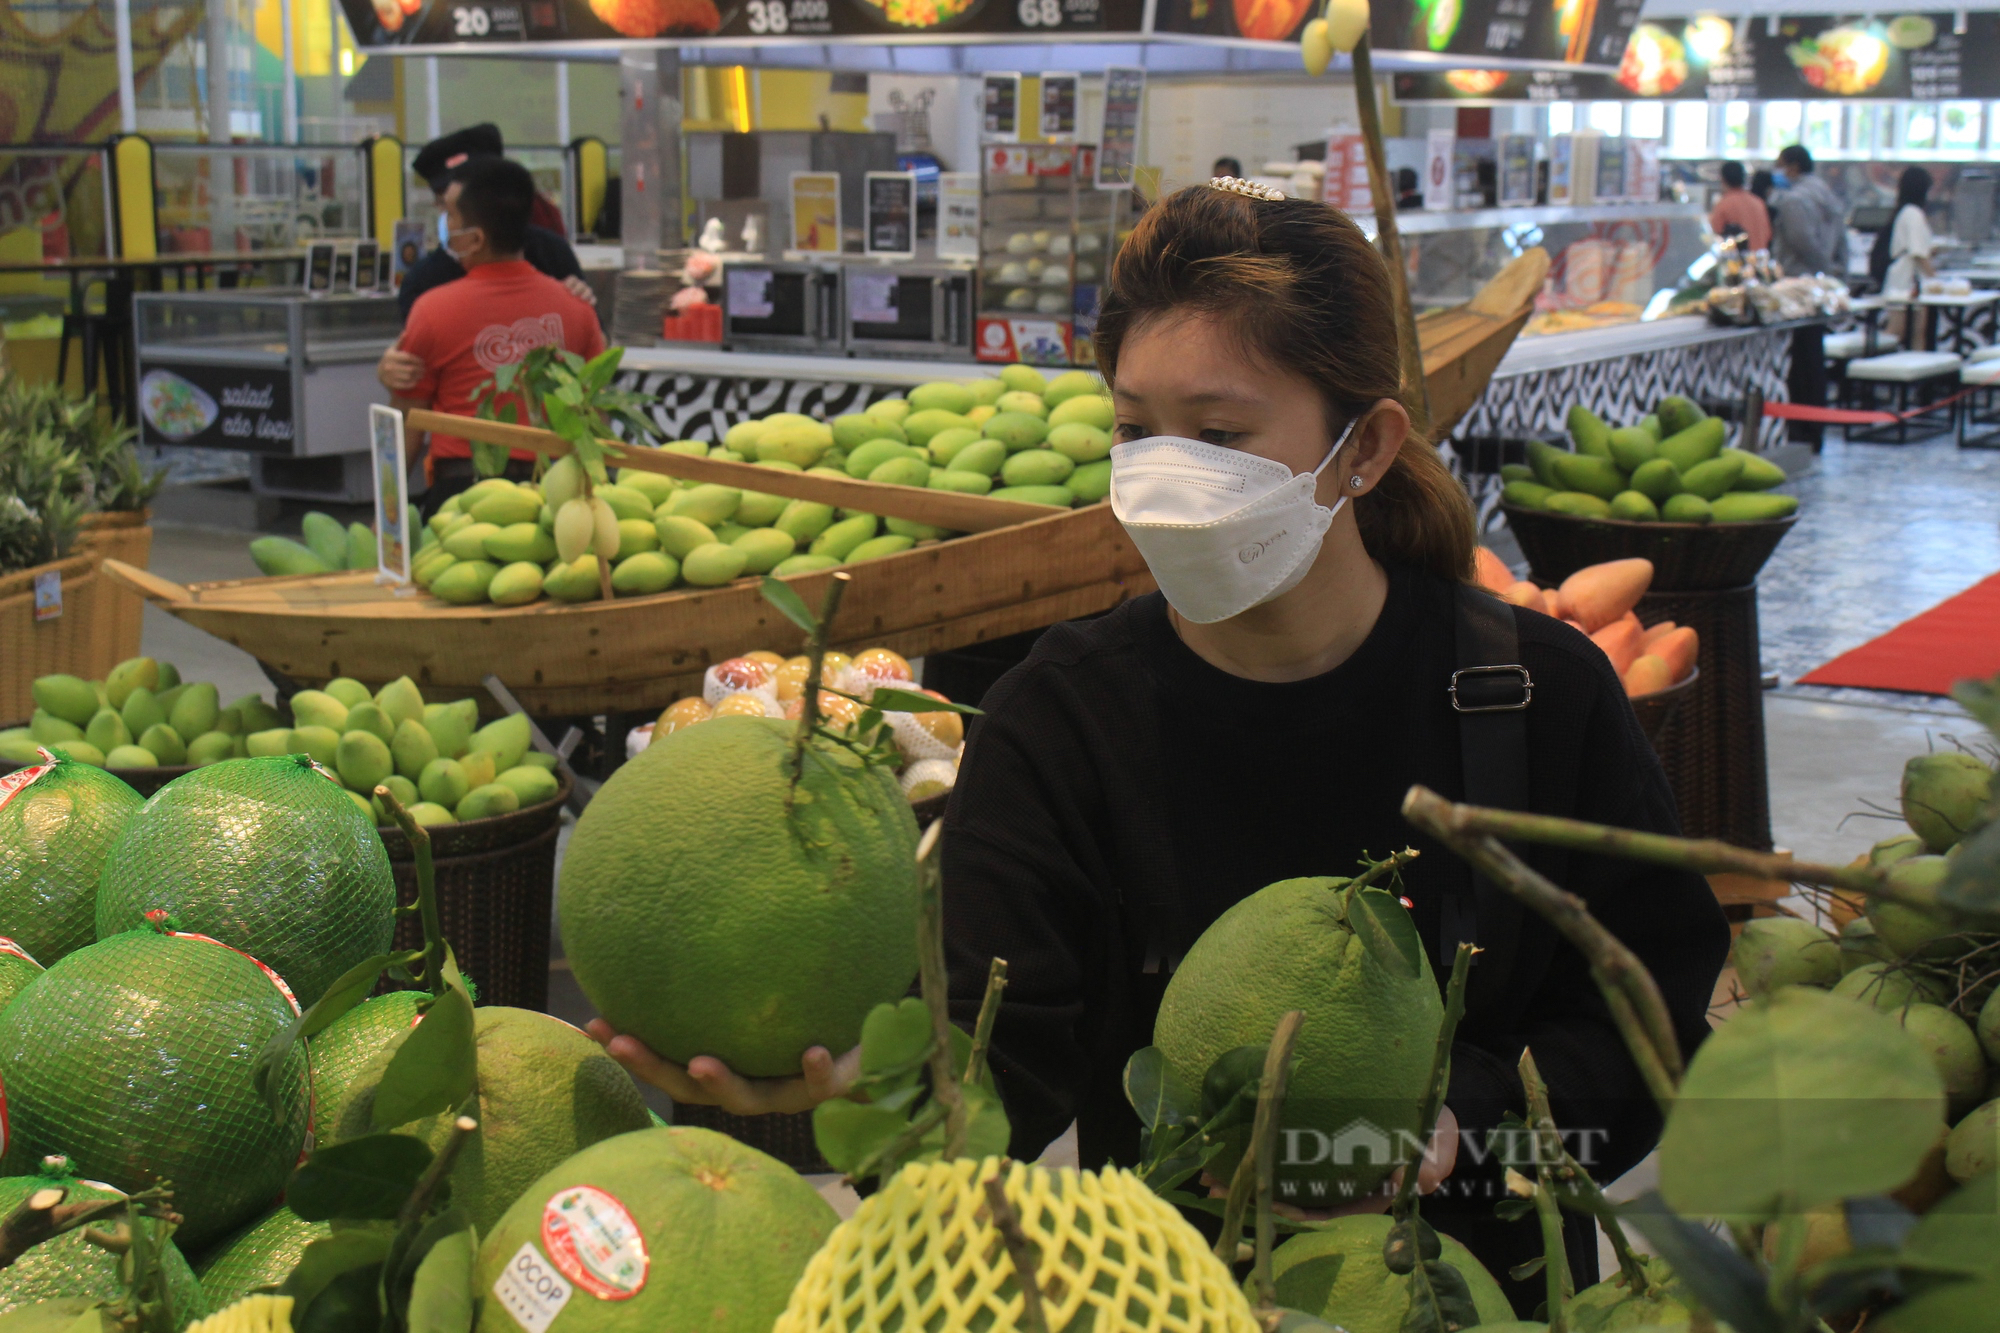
(1262, 717)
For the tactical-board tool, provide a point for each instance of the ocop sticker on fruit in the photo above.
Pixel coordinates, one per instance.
(595, 1243)
(531, 1290)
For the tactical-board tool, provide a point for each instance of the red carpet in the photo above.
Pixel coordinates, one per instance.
(1958, 639)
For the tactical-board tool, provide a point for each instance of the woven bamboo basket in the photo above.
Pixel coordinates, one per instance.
(1687, 557)
(73, 642)
(125, 535)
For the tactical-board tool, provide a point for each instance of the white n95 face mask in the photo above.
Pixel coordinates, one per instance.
(1221, 530)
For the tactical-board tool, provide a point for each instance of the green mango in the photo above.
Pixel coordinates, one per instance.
(210, 747)
(1036, 467)
(361, 549)
(1697, 444)
(517, 584)
(1677, 413)
(1591, 474)
(921, 425)
(857, 428)
(985, 457)
(48, 729)
(872, 454)
(370, 718)
(759, 509)
(1526, 494)
(918, 532)
(626, 502)
(131, 674)
(449, 728)
(362, 760)
(465, 583)
(425, 572)
(1061, 497)
(1588, 432)
(573, 582)
(944, 445)
(443, 781)
(1516, 472)
(506, 738)
(168, 698)
(196, 710)
(1759, 472)
(1079, 442)
(803, 563)
(141, 710)
(942, 395)
(1634, 507)
(705, 504)
(521, 541)
(70, 698)
(1712, 478)
(729, 532)
(1753, 507)
(635, 535)
(325, 537)
(413, 748)
(713, 565)
(763, 549)
(1071, 384)
(1091, 482)
(894, 410)
(320, 744)
(531, 784)
(1542, 458)
(505, 506)
(966, 483)
(1631, 447)
(844, 536)
(257, 714)
(125, 756)
(107, 730)
(656, 488)
(487, 801)
(1091, 409)
(803, 520)
(1029, 403)
(1577, 504)
(1017, 430)
(270, 742)
(876, 547)
(644, 573)
(165, 744)
(469, 542)
(1650, 423)
(1686, 508)
(1657, 480)
(910, 471)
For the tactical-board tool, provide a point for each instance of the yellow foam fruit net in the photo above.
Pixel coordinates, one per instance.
(252, 1314)
(925, 1255)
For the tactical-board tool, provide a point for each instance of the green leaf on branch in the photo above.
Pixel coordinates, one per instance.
(891, 700)
(489, 460)
(1388, 933)
(1156, 1091)
(435, 1068)
(1798, 1102)
(895, 1043)
(1440, 1300)
(1726, 1283)
(438, 1287)
(1981, 698)
(351, 1303)
(327, 1258)
(1229, 1088)
(1972, 883)
(363, 1179)
(790, 605)
(849, 1133)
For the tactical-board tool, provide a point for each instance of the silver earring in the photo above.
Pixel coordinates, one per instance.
(1356, 482)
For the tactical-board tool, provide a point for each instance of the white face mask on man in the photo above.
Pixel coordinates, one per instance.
(1221, 530)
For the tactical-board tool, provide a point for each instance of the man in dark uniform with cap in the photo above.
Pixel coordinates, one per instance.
(546, 249)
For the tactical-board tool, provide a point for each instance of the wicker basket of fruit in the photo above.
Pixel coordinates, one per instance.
(1664, 490)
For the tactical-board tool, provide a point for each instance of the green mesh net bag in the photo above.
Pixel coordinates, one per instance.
(261, 1255)
(270, 856)
(133, 1057)
(69, 1265)
(57, 823)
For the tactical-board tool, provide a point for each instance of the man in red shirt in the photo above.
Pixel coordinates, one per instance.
(500, 311)
(1740, 210)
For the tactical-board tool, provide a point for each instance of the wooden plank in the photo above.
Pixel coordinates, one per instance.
(951, 510)
(146, 583)
(1513, 286)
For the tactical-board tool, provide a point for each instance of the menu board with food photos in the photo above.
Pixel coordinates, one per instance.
(1573, 31)
(1921, 56)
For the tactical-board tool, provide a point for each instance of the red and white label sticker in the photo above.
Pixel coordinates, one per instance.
(595, 1242)
(12, 783)
(8, 946)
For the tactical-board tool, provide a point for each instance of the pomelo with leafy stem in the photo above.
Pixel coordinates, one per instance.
(56, 827)
(270, 856)
(68, 1265)
(746, 889)
(1351, 960)
(352, 1044)
(133, 1057)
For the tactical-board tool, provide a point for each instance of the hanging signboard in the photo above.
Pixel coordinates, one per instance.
(418, 24)
(1572, 31)
(1800, 58)
(1118, 141)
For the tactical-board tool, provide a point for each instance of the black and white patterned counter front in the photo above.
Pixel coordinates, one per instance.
(703, 392)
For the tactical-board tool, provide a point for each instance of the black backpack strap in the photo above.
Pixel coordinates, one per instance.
(1490, 695)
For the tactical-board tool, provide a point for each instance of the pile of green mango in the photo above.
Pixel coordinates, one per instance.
(1014, 436)
(441, 764)
(141, 715)
(1671, 467)
(327, 546)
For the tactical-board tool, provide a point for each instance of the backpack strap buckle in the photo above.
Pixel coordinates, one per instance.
(1492, 689)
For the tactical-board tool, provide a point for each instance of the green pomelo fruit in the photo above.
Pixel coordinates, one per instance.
(133, 1058)
(666, 944)
(351, 1046)
(259, 1256)
(1889, 986)
(725, 1230)
(1364, 1052)
(1944, 797)
(1973, 1146)
(55, 834)
(266, 855)
(1953, 1048)
(1337, 1274)
(546, 1091)
(1092, 409)
(70, 1266)
(17, 969)
(1611, 1307)
(1784, 951)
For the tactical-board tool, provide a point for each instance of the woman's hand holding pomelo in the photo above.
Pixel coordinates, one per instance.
(706, 1081)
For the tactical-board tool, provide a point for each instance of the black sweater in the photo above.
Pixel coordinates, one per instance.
(1121, 793)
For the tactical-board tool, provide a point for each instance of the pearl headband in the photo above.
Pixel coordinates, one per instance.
(1248, 189)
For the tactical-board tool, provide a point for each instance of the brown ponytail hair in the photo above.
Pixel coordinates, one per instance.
(1307, 292)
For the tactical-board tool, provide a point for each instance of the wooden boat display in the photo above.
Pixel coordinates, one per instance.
(1018, 568)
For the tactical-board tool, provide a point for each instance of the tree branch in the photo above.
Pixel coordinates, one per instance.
(1264, 1133)
(989, 1010)
(427, 903)
(936, 986)
(1021, 1250)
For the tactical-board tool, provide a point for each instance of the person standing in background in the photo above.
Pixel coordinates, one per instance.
(1906, 246)
(1226, 166)
(1809, 236)
(1740, 211)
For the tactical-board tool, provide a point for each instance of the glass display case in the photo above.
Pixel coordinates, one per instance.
(1045, 242)
(283, 376)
